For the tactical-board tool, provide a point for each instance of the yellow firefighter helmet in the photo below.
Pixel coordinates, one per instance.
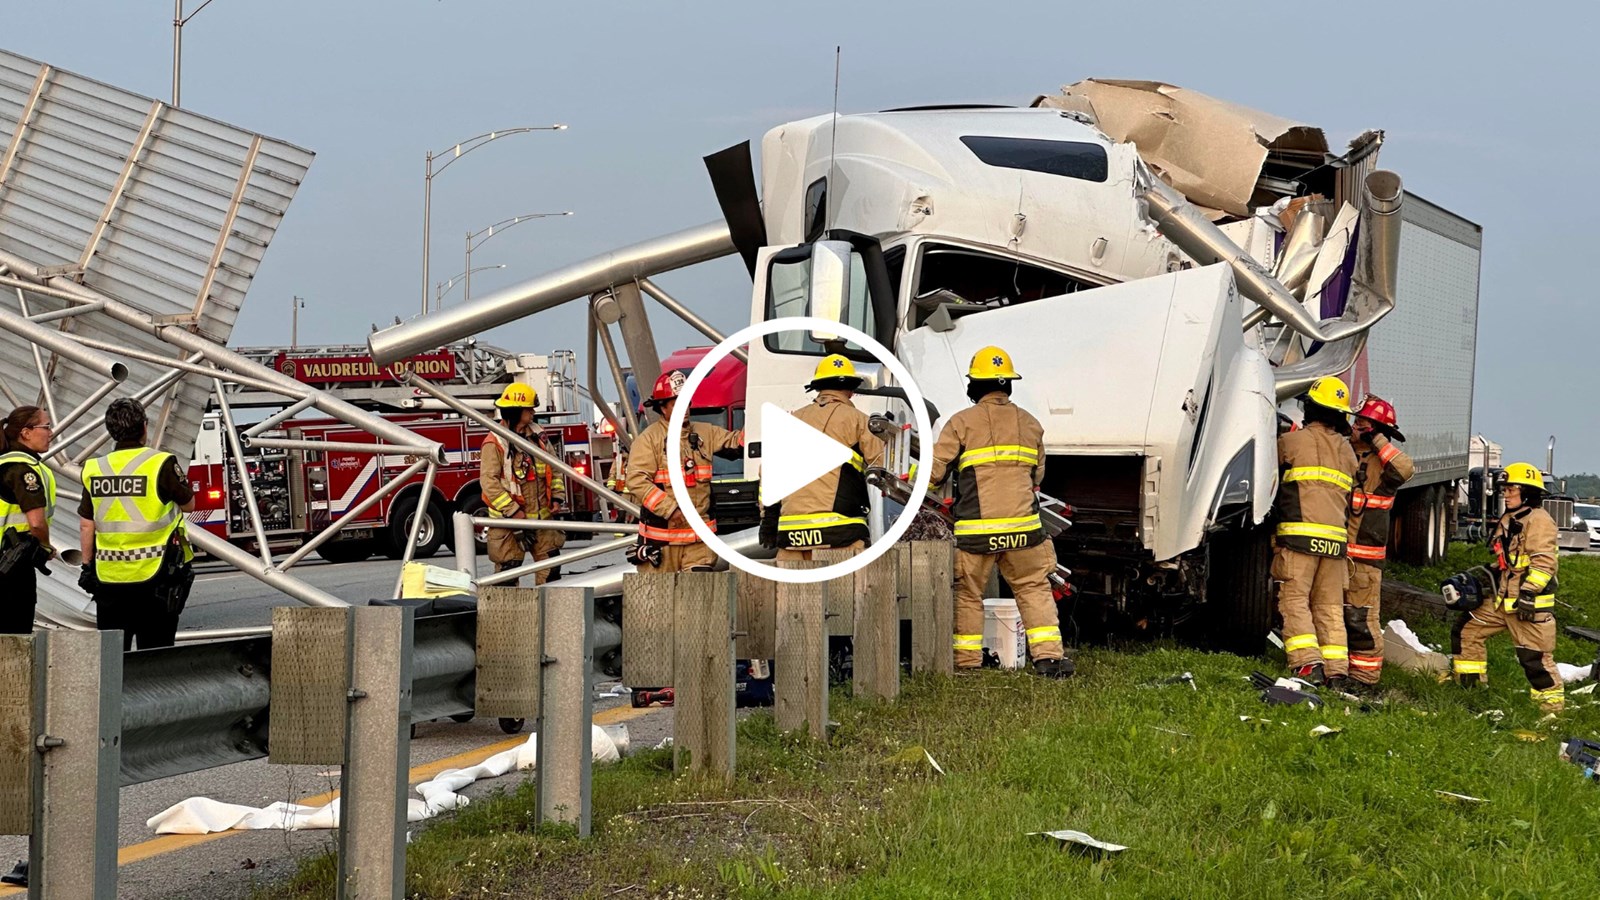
(518, 396)
(1525, 474)
(834, 370)
(992, 363)
(1330, 392)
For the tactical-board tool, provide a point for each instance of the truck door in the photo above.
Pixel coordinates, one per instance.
(841, 280)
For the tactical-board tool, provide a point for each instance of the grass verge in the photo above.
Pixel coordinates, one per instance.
(1211, 806)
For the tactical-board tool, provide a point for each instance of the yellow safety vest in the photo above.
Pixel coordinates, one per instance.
(132, 524)
(12, 518)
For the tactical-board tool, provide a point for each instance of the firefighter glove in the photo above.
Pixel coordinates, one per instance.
(1526, 609)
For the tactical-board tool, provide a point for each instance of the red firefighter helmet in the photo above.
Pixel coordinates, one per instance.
(668, 386)
(1380, 412)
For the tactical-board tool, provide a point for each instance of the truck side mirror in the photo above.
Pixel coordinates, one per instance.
(828, 287)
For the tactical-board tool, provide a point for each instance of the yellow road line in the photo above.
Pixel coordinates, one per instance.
(171, 843)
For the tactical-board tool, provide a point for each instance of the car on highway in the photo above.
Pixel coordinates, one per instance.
(1590, 514)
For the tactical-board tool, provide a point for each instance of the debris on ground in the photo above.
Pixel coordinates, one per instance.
(1284, 691)
(1172, 731)
(1184, 678)
(1532, 737)
(1077, 840)
(1580, 752)
(1402, 647)
(1571, 673)
(1325, 731)
(1459, 798)
(916, 757)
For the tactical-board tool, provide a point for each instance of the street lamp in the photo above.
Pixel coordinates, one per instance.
(490, 232)
(456, 152)
(178, 21)
(445, 287)
(294, 322)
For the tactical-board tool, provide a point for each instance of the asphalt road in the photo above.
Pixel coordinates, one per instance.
(232, 864)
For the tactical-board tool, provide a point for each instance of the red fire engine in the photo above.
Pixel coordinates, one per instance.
(302, 492)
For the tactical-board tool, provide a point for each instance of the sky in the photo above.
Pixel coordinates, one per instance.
(1475, 104)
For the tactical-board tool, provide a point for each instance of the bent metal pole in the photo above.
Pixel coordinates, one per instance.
(547, 291)
(522, 443)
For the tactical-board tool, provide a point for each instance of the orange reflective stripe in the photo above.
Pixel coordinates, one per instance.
(1365, 662)
(654, 499)
(1373, 501)
(1357, 551)
(1388, 452)
(673, 535)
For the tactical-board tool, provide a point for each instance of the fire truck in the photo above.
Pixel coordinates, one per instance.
(302, 492)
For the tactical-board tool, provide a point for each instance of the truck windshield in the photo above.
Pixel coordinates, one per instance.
(964, 277)
(722, 468)
(1586, 511)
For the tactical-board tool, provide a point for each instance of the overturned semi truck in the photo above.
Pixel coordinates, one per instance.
(1169, 271)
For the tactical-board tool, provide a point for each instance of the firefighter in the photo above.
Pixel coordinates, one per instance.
(1526, 559)
(27, 504)
(518, 486)
(995, 451)
(1381, 468)
(137, 561)
(1317, 476)
(831, 511)
(666, 542)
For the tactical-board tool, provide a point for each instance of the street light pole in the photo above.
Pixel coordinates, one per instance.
(455, 153)
(490, 232)
(178, 21)
(294, 321)
(444, 287)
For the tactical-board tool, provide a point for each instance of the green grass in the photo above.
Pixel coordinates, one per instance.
(1224, 809)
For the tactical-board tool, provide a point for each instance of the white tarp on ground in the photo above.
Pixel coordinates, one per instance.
(201, 815)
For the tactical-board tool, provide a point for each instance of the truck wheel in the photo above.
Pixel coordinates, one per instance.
(345, 551)
(511, 726)
(428, 538)
(1239, 589)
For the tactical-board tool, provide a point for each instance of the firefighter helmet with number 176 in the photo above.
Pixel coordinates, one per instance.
(518, 396)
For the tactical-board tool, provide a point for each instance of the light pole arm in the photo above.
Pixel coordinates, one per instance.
(456, 151)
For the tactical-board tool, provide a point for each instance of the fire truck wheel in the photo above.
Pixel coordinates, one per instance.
(511, 726)
(428, 538)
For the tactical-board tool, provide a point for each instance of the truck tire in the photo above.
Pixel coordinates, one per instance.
(1239, 589)
(428, 540)
(1412, 527)
(345, 551)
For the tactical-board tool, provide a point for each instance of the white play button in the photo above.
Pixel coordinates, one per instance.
(793, 454)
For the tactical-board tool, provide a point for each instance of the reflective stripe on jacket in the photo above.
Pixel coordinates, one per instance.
(1381, 469)
(132, 524)
(536, 488)
(831, 511)
(995, 450)
(12, 518)
(648, 479)
(1313, 502)
(1527, 554)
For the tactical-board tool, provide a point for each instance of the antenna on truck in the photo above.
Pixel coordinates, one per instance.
(833, 141)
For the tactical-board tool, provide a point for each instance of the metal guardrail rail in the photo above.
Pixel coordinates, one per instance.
(199, 706)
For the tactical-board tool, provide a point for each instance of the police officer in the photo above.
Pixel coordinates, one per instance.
(995, 450)
(518, 486)
(27, 504)
(831, 511)
(1381, 468)
(666, 542)
(1526, 558)
(1318, 473)
(137, 559)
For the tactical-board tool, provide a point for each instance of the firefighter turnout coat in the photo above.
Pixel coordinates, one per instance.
(995, 451)
(831, 511)
(513, 480)
(648, 482)
(1314, 493)
(1381, 468)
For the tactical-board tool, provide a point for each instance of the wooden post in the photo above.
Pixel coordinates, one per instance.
(932, 589)
(757, 619)
(877, 631)
(801, 671)
(702, 669)
(647, 623)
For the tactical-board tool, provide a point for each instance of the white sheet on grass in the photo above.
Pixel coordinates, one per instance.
(202, 815)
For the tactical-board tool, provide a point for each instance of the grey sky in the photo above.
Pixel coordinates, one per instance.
(1475, 105)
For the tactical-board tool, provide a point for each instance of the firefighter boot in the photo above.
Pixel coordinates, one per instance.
(1310, 673)
(1054, 668)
